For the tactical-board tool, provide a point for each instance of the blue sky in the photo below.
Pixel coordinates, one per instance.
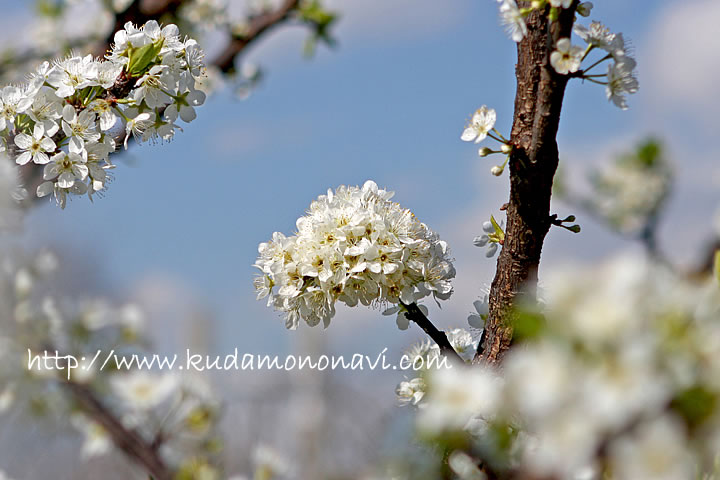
(179, 227)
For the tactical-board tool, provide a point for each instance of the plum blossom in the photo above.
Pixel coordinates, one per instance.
(72, 110)
(35, 147)
(620, 82)
(567, 57)
(481, 123)
(354, 246)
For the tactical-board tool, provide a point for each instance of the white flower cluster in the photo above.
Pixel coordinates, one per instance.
(620, 79)
(70, 113)
(353, 246)
(622, 378)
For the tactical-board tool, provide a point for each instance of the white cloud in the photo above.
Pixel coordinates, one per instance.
(682, 65)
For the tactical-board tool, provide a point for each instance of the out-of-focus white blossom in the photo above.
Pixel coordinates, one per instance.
(411, 392)
(465, 467)
(97, 441)
(513, 20)
(11, 194)
(141, 390)
(353, 246)
(269, 463)
(630, 191)
(457, 395)
(621, 82)
(205, 14)
(621, 374)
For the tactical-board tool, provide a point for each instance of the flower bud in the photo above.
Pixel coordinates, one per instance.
(484, 151)
(584, 9)
(497, 170)
(506, 148)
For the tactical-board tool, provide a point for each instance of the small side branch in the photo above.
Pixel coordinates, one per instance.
(257, 27)
(416, 315)
(128, 441)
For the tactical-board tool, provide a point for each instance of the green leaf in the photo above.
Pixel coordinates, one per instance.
(695, 405)
(498, 230)
(320, 20)
(528, 326)
(140, 58)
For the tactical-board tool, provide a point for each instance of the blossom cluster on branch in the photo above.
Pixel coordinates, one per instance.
(615, 378)
(177, 413)
(354, 246)
(71, 114)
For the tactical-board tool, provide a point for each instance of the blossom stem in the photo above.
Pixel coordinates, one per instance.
(606, 57)
(496, 138)
(505, 140)
(589, 79)
(416, 315)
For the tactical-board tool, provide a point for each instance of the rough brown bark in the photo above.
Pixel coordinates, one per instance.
(533, 162)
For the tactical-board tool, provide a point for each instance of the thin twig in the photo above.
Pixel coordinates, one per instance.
(257, 27)
(416, 315)
(128, 441)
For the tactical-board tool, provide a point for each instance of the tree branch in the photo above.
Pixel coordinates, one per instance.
(128, 441)
(416, 315)
(533, 162)
(257, 27)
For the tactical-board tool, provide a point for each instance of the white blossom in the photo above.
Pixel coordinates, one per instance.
(97, 440)
(12, 102)
(481, 123)
(72, 74)
(561, 3)
(65, 168)
(354, 246)
(621, 82)
(142, 390)
(81, 127)
(411, 392)
(72, 106)
(566, 58)
(35, 147)
(596, 35)
(456, 395)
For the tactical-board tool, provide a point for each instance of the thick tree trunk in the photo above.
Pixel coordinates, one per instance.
(533, 162)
